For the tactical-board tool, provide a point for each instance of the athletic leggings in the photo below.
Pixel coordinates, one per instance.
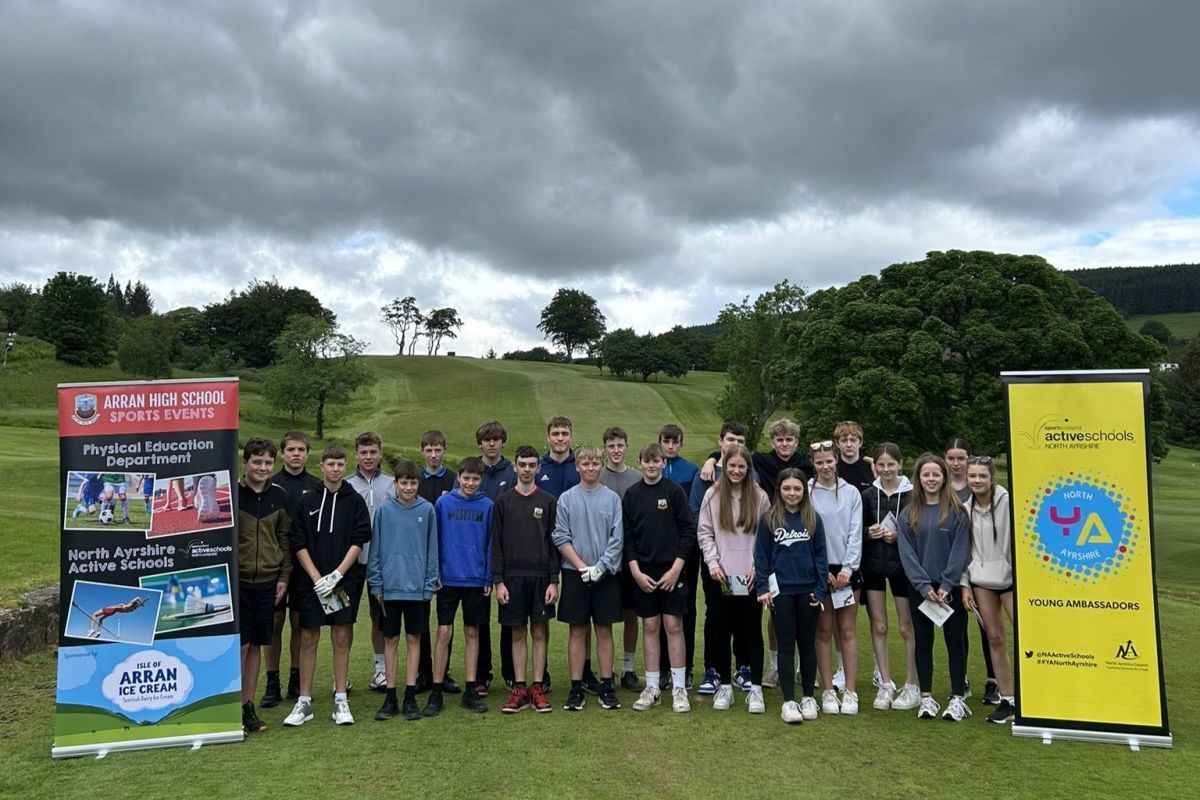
(796, 625)
(737, 618)
(954, 631)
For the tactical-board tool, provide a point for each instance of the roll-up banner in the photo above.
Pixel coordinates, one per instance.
(1088, 658)
(148, 641)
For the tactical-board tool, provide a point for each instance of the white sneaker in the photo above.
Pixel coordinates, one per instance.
(754, 699)
(770, 677)
(908, 698)
(808, 708)
(301, 713)
(850, 702)
(956, 710)
(929, 708)
(876, 678)
(790, 713)
(885, 696)
(341, 713)
(723, 699)
(648, 699)
(679, 700)
(839, 679)
(829, 702)
(379, 682)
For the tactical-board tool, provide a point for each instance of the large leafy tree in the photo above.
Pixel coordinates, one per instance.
(1183, 395)
(316, 366)
(571, 320)
(661, 355)
(400, 315)
(74, 314)
(443, 323)
(620, 351)
(915, 353)
(146, 345)
(245, 326)
(16, 304)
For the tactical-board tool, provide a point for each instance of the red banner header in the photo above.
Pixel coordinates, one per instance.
(140, 407)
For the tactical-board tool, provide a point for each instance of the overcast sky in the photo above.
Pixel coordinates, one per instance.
(666, 157)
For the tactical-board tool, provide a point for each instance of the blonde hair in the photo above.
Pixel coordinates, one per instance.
(747, 521)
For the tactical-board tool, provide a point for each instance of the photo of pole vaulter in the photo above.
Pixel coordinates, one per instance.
(191, 503)
(101, 499)
(107, 612)
(191, 598)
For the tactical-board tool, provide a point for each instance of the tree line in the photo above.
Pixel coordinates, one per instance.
(1145, 290)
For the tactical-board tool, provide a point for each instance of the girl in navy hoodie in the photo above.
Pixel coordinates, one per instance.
(790, 547)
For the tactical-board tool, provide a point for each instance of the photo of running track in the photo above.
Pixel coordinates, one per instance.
(176, 509)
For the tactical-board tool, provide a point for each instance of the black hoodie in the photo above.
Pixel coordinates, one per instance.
(328, 524)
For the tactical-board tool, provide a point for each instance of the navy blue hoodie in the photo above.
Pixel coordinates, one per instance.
(795, 555)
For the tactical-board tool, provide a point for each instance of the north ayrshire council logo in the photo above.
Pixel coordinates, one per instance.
(85, 409)
(1082, 528)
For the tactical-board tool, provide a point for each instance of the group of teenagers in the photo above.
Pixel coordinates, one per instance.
(805, 533)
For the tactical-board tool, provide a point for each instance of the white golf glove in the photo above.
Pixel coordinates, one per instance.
(594, 574)
(585, 574)
(325, 586)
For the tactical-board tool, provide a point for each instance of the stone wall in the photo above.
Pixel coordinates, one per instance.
(31, 626)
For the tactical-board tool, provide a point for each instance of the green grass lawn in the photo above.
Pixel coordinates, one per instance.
(1183, 325)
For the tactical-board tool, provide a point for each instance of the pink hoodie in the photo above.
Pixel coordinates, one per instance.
(733, 551)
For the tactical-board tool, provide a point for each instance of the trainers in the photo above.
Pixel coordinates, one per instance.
(991, 693)
(885, 696)
(771, 677)
(1004, 712)
(839, 679)
(723, 699)
(333, 687)
(517, 701)
(956, 710)
(409, 708)
(665, 682)
(547, 687)
(389, 709)
(481, 688)
(966, 690)
(908, 698)
(829, 702)
(301, 713)
(929, 708)
(849, 702)
(471, 701)
(433, 706)
(808, 708)
(537, 696)
(876, 678)
(293, 690)
(424, 683)
(742, 679)
(710, 684)
(790, 713)
(341, 713)
(449, 685)
(271, 695)
(754, 700)
(378, 681)
(250, 720)
(648, 699)
(591, 685)
(630, 682)
(608, 698)
(679, 700)
(688, 680)
(574, 699)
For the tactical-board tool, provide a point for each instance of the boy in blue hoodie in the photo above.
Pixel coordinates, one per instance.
(464, 522)
(402, 574)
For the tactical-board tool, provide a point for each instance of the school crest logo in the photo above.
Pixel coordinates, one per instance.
(662, 504)
(85, 409)
(538, 513)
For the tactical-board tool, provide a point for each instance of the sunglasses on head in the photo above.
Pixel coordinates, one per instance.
(818, 446)
(985, 460)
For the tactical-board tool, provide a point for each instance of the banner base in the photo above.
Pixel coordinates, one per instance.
(1134, 741)
(101, 750)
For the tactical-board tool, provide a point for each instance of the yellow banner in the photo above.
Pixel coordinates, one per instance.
(1087, 646)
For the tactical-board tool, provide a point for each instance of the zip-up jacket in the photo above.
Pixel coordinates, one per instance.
(879, 557)
(521, 536)
(330, 523)
(404, 551)
(498, 478)
(936, 551)
(991, 546)
(264, 552)
(590, 521)
(556, 477)
(375, 489)
(659, 526)
(733, 551)
(795, 555)
(464, 539)
(840, 507)
(682, 471)
(296, 486)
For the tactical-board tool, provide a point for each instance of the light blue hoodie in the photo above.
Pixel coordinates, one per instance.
(403, 562)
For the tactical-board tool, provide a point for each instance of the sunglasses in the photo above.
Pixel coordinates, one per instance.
(985, 460)
(818, 446)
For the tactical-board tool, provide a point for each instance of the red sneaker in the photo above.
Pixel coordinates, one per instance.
(517, 701)
(537, 696)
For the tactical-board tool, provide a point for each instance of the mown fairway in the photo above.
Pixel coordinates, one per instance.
(1183, 325)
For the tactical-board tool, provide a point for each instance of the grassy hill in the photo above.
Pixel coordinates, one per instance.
(1183, 325)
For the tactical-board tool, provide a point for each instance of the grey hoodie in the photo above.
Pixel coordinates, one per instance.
(374, 490)
(590, 521)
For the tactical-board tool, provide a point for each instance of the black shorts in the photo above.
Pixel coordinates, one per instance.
(598, 603)
(413, 613)
(526, 601)
(629, 589)
(856, 577)
(652, 604)
(256, 612)
(1006, 590)
(312, 614)
(474, 605)
(877, 583)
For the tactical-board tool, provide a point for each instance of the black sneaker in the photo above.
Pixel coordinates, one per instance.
(424, 683)
(433, 706)
(688, 683)
(574, 699)
(250, 720)
(409, 708)
(473, 702)
(991, 693)
(449, 685)
(293, 692)
(546, 683)
(665, 685)
(271, 695)
(630, 682)
(1005, 711)
(388, 710)
(608, 698)
(591, 685)
(483, 687)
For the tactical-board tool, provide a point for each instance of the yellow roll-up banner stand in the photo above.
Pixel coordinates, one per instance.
(1087, 654)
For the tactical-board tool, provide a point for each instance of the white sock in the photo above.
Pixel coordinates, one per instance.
(339, 696)
(305, 699)
(678, 677)
(652, 680)
(773, 655)
(628, 666)
(379, 667)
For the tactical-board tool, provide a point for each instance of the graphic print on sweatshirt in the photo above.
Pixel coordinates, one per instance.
(786, 537)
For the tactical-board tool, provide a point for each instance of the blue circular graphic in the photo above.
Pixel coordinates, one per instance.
(1082, 526)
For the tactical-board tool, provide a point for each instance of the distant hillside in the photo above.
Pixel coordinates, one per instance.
(1145, 290)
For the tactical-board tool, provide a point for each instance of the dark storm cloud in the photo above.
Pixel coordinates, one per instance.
(559, 138)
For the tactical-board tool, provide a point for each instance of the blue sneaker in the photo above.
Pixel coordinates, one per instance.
(710, 684)
(742, 679)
